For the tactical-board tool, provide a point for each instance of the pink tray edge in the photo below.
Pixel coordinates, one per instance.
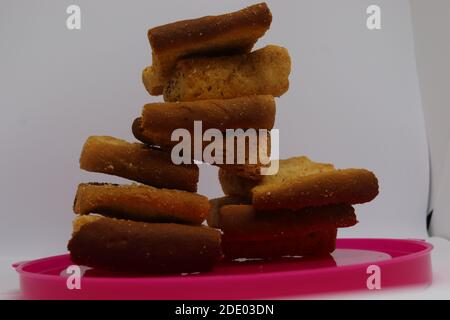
(254, 286)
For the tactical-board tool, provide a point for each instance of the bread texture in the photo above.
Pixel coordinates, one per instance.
(261, 72)
(244, 140)
(236, 185)
(229, 33)
(350, 186)
(257, 112)
(141, 203)
(137, 162)
(215, 206)
(289, 169)
(243, 222)
(160, 120)
(139, 247)
(318, 243)
(302, 183)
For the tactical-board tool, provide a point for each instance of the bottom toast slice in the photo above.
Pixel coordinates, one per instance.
(129, 246)
(318, 243)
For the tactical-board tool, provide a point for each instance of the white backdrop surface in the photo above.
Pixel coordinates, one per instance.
(354, 100)
(431, 26)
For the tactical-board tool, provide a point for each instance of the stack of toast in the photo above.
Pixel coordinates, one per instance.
(295, 212)
(206, 71)
(150, 226)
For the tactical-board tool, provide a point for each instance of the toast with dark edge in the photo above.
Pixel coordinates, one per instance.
(264, 71)
(139, 247)
(141, 203)
(229, 33)
(318, 243)
(243, 222)
(215, 206)
(137, 162)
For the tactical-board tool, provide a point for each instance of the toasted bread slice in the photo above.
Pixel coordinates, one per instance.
(215, 206)
(247, 166)
(257, 112)
(351, 186)
(138, 162)
(244, 222)
(130, 246)
(318, 243)
(293, 168)
(141, 203)
(264, 71)
(229, 33)
(302, 183)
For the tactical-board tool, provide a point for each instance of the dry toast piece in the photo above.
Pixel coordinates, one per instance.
(302, 183)
(350, 186)
(138, 162)
(229, 33)
(245, 114)
(257, 112)
(235, 185)
(242, 139)
(130, 246)
(292, 168)
(141, 203)
(264, 71)
(215, 206)
(317, 243)
(245, 223)
(246, 166)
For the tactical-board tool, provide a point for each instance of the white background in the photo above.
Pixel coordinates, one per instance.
(354, 100)
(431, 27)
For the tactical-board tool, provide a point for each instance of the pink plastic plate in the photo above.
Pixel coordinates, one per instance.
(357, 264)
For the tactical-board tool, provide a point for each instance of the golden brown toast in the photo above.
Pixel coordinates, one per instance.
(130, 246)
(292, 168)
(215, 206)
(264, 71)
(141, 203)
(160, 120)
(257, 112)
(229, 33)
(302, 183)
(351, 186)
(246, 166)
(136, 161)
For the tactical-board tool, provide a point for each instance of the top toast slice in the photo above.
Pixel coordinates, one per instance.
(229, 33)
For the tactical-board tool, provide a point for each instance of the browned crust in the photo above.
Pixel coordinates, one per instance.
(257, 112)
(216, 204)
(190, 32)
(248, 168)
(235, 185)
(137, 162)
(129, 246)
(301, 183)
(243, 222)
(318, 243)
(223, 34)
(248, 171)
(264, 71)
(350, 186)
(141, 203)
